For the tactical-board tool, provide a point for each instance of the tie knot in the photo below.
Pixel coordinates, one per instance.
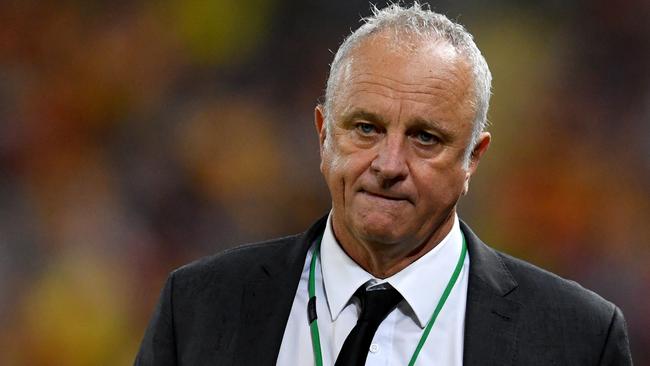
(377, 304)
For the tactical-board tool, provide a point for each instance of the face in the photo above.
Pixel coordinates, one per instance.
(393, 155)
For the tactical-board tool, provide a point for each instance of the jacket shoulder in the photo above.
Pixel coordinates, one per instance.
(234, 262)
(250, 261)
(564, 320)
(546, 288)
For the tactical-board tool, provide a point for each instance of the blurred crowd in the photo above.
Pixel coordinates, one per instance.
(138, 136)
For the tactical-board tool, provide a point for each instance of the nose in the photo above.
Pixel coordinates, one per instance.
(389, 165)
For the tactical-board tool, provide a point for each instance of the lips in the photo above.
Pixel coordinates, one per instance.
(386, 195)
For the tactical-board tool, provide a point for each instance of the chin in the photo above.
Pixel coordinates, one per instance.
(383, 238)
(380, 229)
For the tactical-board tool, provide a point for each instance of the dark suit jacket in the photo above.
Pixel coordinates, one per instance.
(232, 308)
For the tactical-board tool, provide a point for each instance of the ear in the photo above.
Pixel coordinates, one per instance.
(477, 152)
(321, 129)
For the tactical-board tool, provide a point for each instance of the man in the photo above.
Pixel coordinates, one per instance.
(390, 276)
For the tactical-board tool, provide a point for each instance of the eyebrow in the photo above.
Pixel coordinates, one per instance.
(365, 115)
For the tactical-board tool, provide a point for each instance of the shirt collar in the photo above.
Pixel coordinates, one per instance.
(421, 283)
(342, 276)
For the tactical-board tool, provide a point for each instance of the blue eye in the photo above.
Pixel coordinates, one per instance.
(425, 137)
(366, 128)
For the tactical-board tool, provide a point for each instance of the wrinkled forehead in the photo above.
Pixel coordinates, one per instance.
(409, 60)
(392, 53)
(393, 42)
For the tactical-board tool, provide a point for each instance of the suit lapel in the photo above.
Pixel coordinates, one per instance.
(491, 319)
(267, 300)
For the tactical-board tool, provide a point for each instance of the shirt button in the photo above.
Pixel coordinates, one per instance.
(374, 348)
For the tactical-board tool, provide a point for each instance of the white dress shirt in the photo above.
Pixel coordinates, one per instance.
(421, 284)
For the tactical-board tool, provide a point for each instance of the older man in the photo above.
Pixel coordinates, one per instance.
(390, 276)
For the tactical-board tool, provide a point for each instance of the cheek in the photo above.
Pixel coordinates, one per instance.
(439, 184)
(331, 167)
(345, 161)
(334, 169)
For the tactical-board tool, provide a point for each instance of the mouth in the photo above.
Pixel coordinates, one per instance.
(385, 196)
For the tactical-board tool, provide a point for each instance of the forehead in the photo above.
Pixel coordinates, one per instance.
(430, 76)
(390, 50)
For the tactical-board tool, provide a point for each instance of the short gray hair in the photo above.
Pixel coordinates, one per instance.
(424, 24)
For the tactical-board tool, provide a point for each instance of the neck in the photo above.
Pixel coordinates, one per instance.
(382, 259)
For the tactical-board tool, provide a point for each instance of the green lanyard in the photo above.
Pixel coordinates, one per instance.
(311, 305)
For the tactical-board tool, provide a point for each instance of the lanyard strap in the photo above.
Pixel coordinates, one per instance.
(311, 305)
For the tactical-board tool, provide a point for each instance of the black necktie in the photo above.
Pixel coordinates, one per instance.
(375, 306)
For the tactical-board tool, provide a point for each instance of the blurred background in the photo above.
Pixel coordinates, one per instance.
(138, 136)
